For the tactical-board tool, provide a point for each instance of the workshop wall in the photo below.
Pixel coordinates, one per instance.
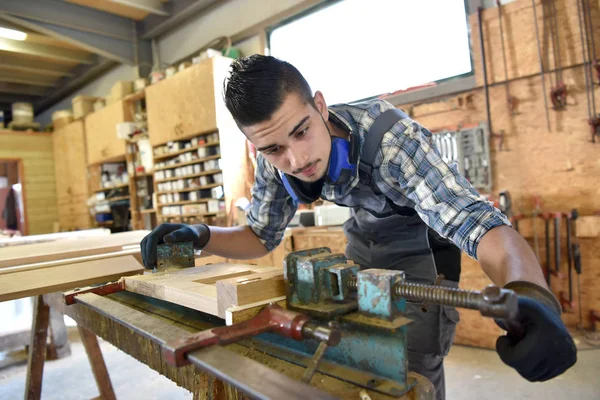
(559, 166)
(35, 150)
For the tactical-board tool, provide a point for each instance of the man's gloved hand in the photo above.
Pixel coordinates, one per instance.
(172, 233)
(546, 349)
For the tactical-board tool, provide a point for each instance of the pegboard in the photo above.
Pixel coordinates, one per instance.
(469, 148)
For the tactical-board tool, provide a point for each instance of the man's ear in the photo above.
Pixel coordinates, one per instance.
(321, 105)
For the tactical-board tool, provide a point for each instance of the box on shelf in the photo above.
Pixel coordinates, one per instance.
(99, 103)
(125, 130)
(61, 118)
(83, 105)
(120, 90)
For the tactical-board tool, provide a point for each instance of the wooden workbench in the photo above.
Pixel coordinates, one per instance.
(103, 319)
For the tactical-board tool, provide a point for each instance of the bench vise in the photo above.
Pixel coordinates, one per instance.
(369, 308)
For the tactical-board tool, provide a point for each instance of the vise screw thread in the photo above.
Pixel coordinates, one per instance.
(421, 293)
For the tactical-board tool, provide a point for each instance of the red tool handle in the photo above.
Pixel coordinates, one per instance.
(270, 319)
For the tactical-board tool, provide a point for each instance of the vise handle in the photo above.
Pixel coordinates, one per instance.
(272, 318)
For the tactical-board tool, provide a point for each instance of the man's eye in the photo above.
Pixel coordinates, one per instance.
(302, 132)
(273, 150)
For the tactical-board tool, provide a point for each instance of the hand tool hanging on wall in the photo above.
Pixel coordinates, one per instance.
(534, 216)
(512, 101)
(593, 117)
(557, 218)
(499, 135)
(539, 46)
(576, 253)
(546, 218)
(558, 93)
(564, 300)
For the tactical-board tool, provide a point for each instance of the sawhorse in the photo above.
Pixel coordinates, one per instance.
(38, 352)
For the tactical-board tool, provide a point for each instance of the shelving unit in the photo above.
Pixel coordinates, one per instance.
(200, 157)
(141, 182)
(115, 196)
(188, 197)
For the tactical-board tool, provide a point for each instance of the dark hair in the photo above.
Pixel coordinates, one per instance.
(258, 85)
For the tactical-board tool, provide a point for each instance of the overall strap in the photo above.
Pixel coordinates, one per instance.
(381, 125)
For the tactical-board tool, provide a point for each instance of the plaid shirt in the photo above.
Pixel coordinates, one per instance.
(408, 170)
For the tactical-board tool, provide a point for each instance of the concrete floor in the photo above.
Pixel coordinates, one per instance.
(470, 374)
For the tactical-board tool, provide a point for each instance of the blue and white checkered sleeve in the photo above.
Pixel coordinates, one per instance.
(444, 199)
(271, 207)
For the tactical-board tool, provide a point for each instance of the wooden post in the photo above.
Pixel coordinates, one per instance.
(90, 342)
(37, 349)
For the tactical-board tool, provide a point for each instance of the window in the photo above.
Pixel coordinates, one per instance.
(356, 49)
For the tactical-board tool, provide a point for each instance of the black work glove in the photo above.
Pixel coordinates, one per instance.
(199, 235)
(546, 348)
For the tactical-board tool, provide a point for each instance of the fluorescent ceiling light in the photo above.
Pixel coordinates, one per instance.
(12, 34)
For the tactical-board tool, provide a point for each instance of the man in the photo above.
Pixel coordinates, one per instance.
(410, 210)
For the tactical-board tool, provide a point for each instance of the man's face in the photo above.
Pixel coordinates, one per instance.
(295, 140)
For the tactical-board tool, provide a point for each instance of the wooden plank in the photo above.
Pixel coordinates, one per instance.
(65, 277)
(43, 252)
(249, 289)
(238, 314)
(55, 263)
(50, 237)
(194, 288)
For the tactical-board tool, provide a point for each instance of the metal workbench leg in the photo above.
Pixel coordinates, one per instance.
(90, 342)
(37, 349)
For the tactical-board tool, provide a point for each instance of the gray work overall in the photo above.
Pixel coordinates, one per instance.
(383, 235)
(403, 243)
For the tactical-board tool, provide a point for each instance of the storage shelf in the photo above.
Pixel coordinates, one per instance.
(189, 149)
(185, 202)
(175, 178)
(183, 164)
(150, 211)
(111, 188)
(212, 185)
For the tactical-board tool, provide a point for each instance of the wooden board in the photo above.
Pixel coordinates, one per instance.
(43, 252)
(237, 314)
(47, 280)
(37, 155)
(192, 287)
(51, 237)
(135, 251)
(248, 289)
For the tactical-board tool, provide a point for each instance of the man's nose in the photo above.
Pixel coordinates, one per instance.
(298, 158)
